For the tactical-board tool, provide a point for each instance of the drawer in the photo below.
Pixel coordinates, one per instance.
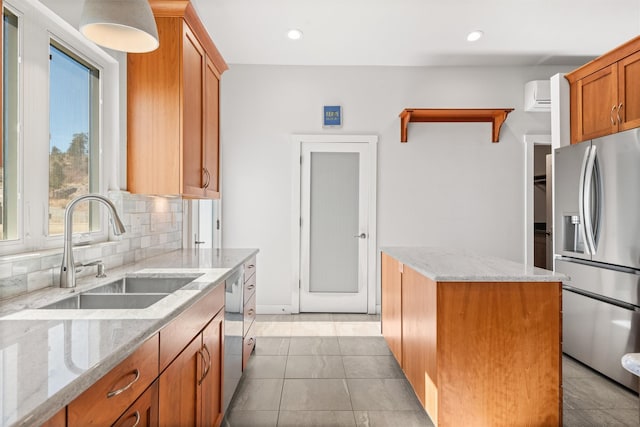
(111, 395)
(143, 412)
(175, 336)
(249, 268)
(249, 314)
(249, 343)
(249, 288)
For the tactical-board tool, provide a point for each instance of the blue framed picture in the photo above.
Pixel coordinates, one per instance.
(332, 116)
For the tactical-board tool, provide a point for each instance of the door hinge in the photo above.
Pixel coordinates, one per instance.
(299, 283)
(217, 224)
(300, 159)
(300, 221)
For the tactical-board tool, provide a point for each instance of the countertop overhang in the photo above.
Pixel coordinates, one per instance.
(49, 357)
(457, 265)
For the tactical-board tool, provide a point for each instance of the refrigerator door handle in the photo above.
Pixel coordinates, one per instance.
(589, 225)
(581, 197)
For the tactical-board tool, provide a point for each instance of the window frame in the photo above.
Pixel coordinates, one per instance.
(44, 28)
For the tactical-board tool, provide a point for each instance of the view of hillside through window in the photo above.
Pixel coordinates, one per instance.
(73, 155)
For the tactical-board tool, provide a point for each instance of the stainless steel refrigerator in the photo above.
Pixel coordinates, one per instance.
(597, 244)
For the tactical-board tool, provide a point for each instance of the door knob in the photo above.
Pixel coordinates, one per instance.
(361, 236)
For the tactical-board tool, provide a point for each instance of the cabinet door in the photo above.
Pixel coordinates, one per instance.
(593, 105)
(179, 398)
(419, 329)
(211, 386)
(629, 91)
(193, 61)
(143, 412)
(392, 305)
(211, 141)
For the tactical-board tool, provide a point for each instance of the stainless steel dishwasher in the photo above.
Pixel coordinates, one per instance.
(233, 329)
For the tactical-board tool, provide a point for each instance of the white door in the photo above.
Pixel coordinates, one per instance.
(202, 224)
(334, 227)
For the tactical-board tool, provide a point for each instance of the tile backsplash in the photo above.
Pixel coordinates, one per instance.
(154, 226)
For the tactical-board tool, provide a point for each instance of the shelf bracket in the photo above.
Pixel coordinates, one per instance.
(496, 117)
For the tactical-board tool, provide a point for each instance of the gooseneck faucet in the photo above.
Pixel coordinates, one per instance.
(68, 268)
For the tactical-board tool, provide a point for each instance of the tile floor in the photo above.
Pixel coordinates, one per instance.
(335, 370)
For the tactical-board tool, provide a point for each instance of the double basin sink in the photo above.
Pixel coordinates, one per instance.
(130, 292)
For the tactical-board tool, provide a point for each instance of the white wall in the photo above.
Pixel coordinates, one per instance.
(448, 186)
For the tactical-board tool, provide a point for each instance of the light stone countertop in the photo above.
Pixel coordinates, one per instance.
(455, 265)
(49, 357)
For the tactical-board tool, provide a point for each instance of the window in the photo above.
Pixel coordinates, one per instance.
(74, 87)
(9, 150)
(60, 129)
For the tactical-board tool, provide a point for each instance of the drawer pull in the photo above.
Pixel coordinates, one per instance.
(251, 312)
(251, 266)
(137, 417)
(250, 342)
(113, 393)
(250, 287)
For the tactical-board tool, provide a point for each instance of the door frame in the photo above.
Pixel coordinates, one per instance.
(529, 141)
(296, 170)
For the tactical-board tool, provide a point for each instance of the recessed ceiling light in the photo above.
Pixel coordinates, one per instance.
(294, 34)
(475, 35)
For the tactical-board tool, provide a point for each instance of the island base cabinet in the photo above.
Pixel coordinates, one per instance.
(419, 337)
(391, 307)
(499, 355)
(478, 353)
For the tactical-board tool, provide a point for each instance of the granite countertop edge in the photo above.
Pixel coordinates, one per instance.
(458, 265)
(148, 328)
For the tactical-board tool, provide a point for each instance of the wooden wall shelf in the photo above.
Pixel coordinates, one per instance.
(425, 115)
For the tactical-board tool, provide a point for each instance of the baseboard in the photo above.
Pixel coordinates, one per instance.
(273, 309)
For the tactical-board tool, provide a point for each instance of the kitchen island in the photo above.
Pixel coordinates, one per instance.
(50, 357)
(479, 338)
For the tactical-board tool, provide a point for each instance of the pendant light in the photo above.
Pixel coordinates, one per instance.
(125, 25)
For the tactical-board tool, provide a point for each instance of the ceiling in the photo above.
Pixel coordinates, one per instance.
(411, 32)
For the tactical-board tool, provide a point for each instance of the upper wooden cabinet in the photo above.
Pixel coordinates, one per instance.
(173, 108)
(605, 93)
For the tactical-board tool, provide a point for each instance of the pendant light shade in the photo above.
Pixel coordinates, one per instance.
(125, 25)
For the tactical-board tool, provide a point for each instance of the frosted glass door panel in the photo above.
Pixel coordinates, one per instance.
(334, 222)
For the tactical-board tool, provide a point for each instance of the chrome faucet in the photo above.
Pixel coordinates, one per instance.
(68, 268)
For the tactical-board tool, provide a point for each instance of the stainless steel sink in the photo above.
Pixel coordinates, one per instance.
(107, 301)
(143, 285)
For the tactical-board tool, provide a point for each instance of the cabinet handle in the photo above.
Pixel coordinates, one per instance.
(250, 312)
(250, 342)
(251, 266)
(113, 393)
(613, 121)
(618, 113)
(137, 416)
(208, 367)
(207, 175)
(250, 287)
